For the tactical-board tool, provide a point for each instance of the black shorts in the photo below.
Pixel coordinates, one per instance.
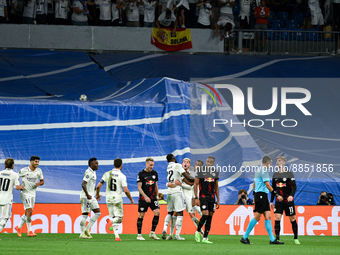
(207, 204)
(288, 207)
(143, 205)
(261, 202)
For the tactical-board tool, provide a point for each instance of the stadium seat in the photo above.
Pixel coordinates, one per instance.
(283, 16)
(299, 35)
(298, 17)
(272, 15)
(271, 35)
(277, 25)
(286, 36)
(313, 36)
(291, 24)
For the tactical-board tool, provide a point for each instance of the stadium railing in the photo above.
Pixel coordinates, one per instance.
(298, 41)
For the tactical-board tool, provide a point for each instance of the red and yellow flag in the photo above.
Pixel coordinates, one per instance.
(167, 42)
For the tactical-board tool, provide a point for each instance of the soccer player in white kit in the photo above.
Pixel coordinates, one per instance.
(31, 177)
(115, 180)
(175, 197)
(8, 179)
(87, 200)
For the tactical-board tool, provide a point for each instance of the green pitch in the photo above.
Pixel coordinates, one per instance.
(104, 244)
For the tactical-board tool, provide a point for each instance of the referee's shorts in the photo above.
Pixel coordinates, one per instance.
(261, 202)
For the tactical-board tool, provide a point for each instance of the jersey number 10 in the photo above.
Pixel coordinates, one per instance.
(4, 184)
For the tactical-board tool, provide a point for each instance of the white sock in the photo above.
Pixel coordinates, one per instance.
(173, 225)
(198, 209)
(23, 221)
(179, 225)
(166, 222)
(2, 224)
(92, 220)
(28, 223)
(115, 225)
(195, 220)
(83, 224)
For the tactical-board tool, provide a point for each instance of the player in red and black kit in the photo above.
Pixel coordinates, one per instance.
(206, 182)
(148, 197)
(284, 184)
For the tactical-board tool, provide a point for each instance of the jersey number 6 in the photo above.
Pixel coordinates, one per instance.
(113, 185)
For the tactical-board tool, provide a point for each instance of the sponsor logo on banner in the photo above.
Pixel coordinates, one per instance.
(167, 42)
(228, 220)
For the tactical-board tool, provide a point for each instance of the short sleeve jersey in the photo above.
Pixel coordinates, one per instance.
(261, 176)
(90, 177)
(148, 180)
(29, 179)
(207, 184)
(8, 179)
(174, 172)
(282, 182)
(164, 21)
(115, 180)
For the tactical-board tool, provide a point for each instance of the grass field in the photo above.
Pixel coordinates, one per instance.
(105, 244)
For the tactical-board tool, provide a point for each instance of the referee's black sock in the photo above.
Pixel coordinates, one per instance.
(277, 229)
(154, 223)
(202, 222)
(207, 226)
(295, 229)
(139, 225)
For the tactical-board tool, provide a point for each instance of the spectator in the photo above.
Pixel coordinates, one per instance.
(29, 13)
(132, 13)
(105, 12)
(149, 12)
(244, 15)
(243, 198)
(261, 14)
(183, 7)
(3, 12)
(161, 199)
(16, 11)
(227, 26)
(80, 13)
(326, 199)
(336, 15)
(50, 11)
(163, 6)
(226, 8)
(317, 17)
(41, 14)
(191, 21)
(141, 13)
(62, 7)
(166, 19)
(117, 16)
(205, 12)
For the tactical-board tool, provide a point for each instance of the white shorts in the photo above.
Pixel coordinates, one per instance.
(28, 201)
(317, 19)
(115, 209)
(188, 204)
(6, 211)
(175, 202)
(88, 205)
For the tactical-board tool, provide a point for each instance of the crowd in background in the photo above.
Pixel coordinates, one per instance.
(189, 13)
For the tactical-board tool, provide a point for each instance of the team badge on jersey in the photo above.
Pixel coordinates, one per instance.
(153, 177)
(149, 182)
(87, 176)
(209, 179)
(281, 185)
(284, 179)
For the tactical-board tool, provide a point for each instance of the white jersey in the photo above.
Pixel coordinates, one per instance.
(8, 179)
(61, 9)
(314, 6)
(205, 13)
(188, 190)
(164, 21)
(105, 9)
(245, 8)
(3, 4)
(226, 8)
(223, 21)
(132, 11)
(29, 179)
(90, 177)
(174, 172)
(115, 180)
(149, 11)
(42, 7)
(79, 17)
(30, 9)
